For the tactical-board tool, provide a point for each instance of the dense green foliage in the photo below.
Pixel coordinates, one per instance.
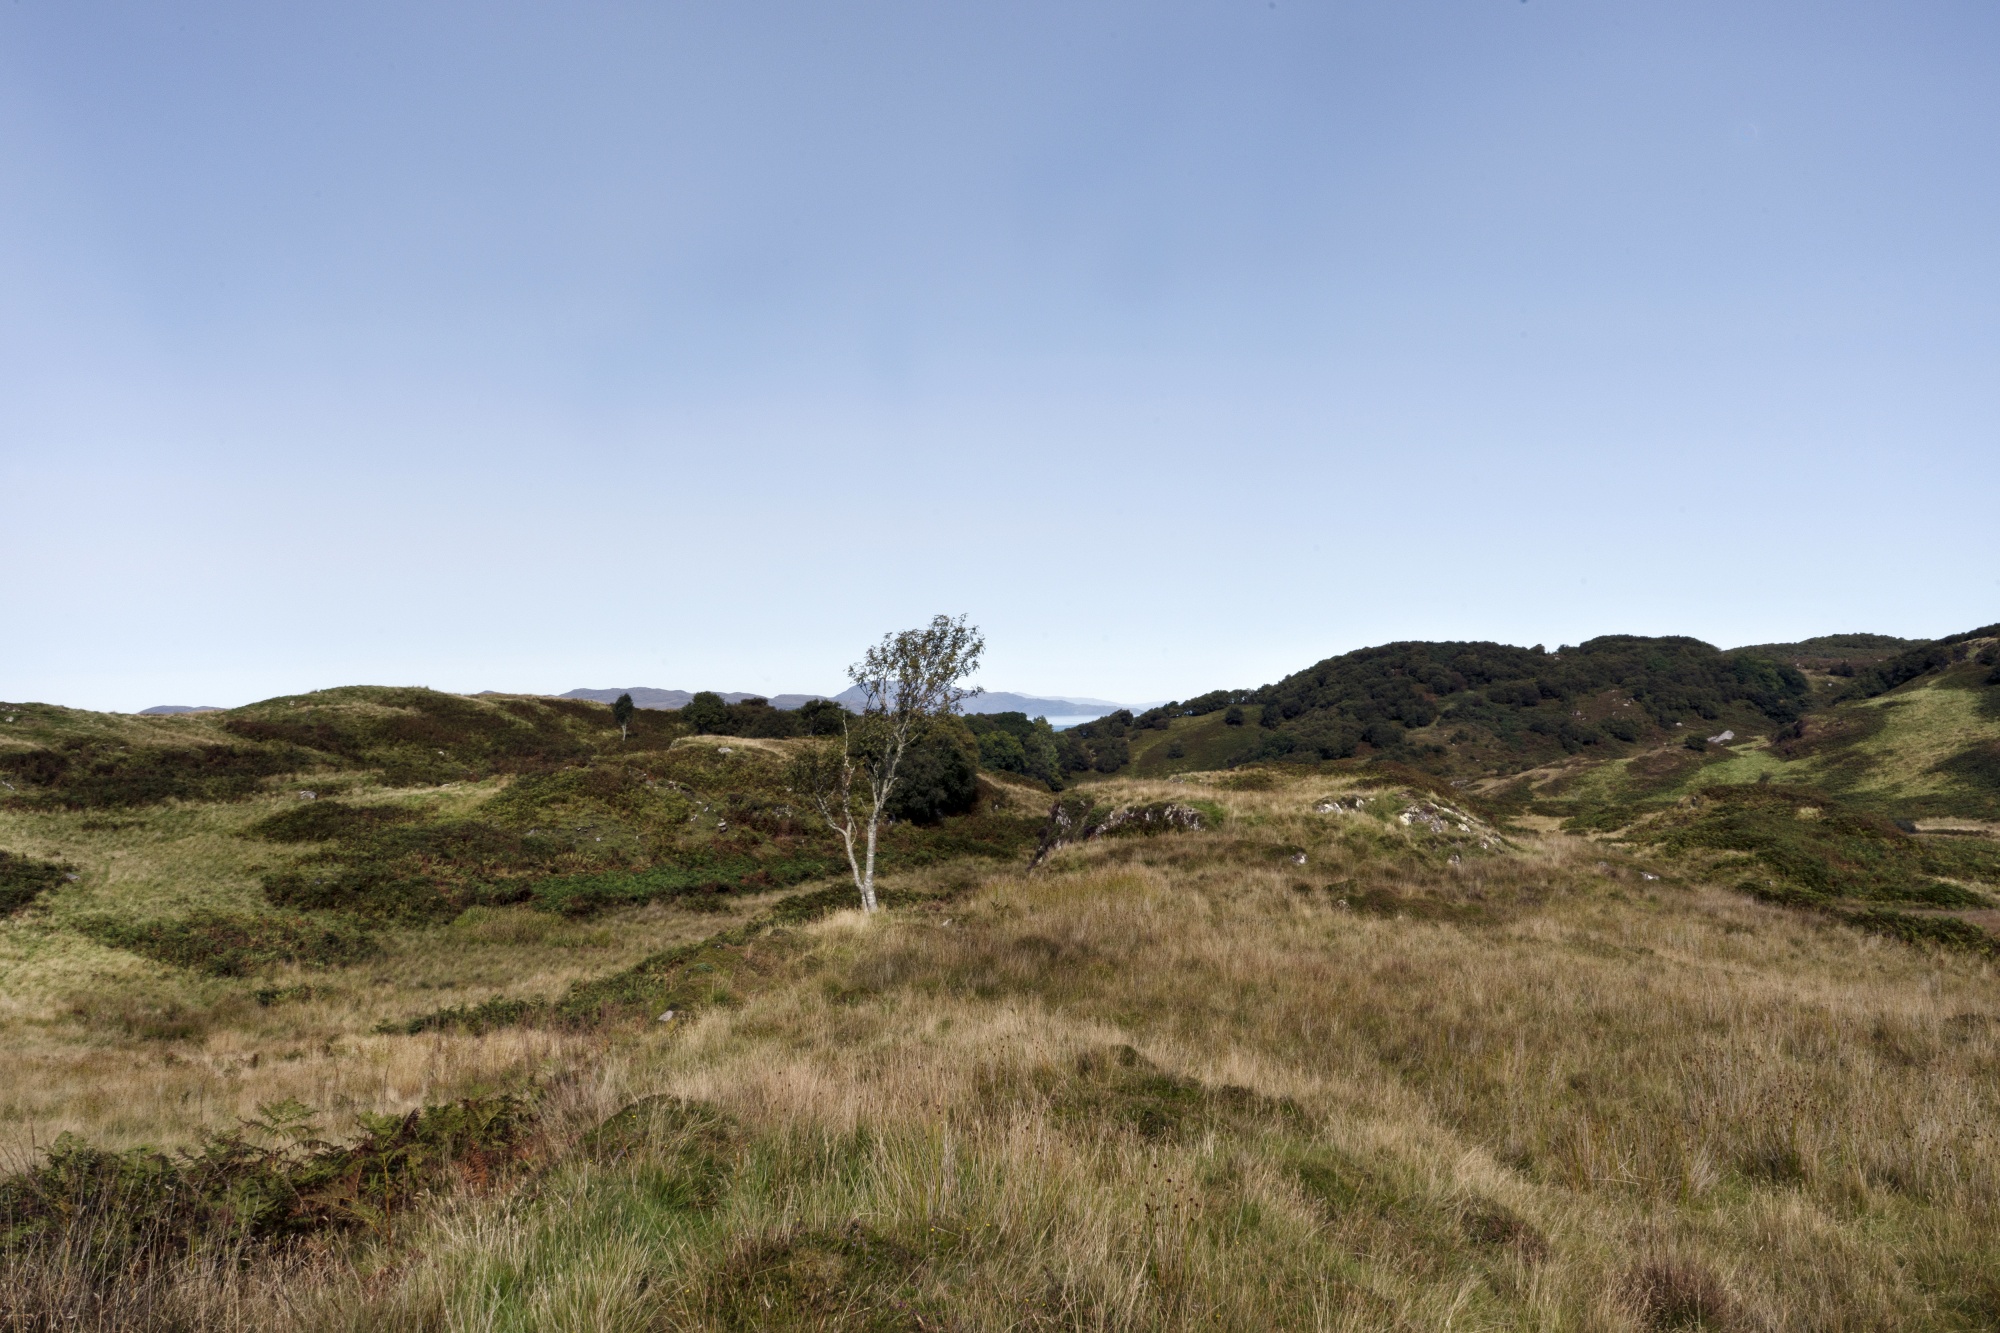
(1524, 698)
(24, 879)
(1099, 746)
(939, 775)
(707, 714)
(1923, 660)
(1012, 743)
(1840, 653)
(1478, 706)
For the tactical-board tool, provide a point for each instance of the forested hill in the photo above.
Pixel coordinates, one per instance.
(1479, 696)
(1483, 707)
(1908, 720)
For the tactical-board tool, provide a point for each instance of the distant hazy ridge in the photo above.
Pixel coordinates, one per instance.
(993, 701)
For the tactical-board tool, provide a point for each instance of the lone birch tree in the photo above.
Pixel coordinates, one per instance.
(910, 678)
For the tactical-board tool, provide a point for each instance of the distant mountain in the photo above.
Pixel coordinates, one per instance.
(993, 701)
(645, 696)
(175, 710)
(1002, 701)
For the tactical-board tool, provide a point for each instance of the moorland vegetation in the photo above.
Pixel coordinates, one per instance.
(1435, 986)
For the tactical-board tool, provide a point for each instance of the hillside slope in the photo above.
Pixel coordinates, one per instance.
(1911, 731)
(1342, 1057)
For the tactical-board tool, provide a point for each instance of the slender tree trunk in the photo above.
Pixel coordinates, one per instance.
(868, 876)
(846, 833)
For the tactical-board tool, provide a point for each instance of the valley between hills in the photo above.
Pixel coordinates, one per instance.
(1630, 985)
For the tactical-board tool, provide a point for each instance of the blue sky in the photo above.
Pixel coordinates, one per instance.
(531, 346)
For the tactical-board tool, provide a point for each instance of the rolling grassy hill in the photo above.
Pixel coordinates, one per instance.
(355, 1007)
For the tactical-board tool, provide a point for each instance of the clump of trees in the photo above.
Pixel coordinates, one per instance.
(1014, 743)
(706, 714)
(1524, 702)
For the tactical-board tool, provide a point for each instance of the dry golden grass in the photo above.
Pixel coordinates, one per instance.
(1532, 1090)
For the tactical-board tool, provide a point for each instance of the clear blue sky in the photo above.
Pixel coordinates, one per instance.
(527, 346)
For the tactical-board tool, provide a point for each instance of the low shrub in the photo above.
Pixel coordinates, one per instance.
(1673, 1294)
(24, 879)
(414, 737)
(1948, 932)
(117, 1216)
(94, 775)
(225, 945)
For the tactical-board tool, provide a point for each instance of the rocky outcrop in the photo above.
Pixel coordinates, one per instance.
(1079, 819)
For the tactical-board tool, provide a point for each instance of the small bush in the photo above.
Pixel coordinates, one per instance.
(683, 1148)
(1676, 1294)
(24, 879)
(1948, 932)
